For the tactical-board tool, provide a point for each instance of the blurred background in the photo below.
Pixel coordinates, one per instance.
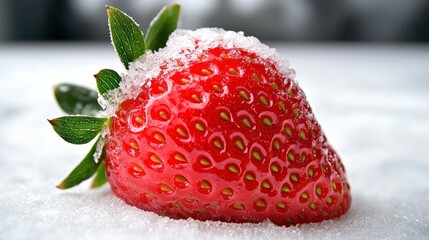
(269, 20)
(363, 65)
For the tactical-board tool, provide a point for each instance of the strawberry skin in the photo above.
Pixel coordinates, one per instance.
(226, 136)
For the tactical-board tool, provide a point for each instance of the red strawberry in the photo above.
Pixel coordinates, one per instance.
(214, 127)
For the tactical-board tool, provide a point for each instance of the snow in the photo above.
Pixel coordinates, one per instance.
(371, 101)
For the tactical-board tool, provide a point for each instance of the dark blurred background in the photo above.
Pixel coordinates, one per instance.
(289, 20)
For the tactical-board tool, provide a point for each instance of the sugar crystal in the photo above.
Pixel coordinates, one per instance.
(186, 46)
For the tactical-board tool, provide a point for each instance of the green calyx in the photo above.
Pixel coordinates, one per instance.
(84, 170)
(162, 26)
(83, 125)
(75, 99)
(128, 39)
(78, 129)
(107, 80)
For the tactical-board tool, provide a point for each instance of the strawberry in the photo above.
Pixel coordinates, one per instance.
(210, 125)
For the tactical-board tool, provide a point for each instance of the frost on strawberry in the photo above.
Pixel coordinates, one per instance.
(209, 125)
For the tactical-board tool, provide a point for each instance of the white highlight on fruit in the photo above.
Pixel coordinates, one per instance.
(182, 47)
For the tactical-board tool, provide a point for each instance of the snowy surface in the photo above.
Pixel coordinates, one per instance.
(371, 100)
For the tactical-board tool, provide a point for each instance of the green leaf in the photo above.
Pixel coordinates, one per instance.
(162, 26)
(77, 129)
(75, 99)
(107, 80)
(86, 168)
(100, 176)
(126, 36)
